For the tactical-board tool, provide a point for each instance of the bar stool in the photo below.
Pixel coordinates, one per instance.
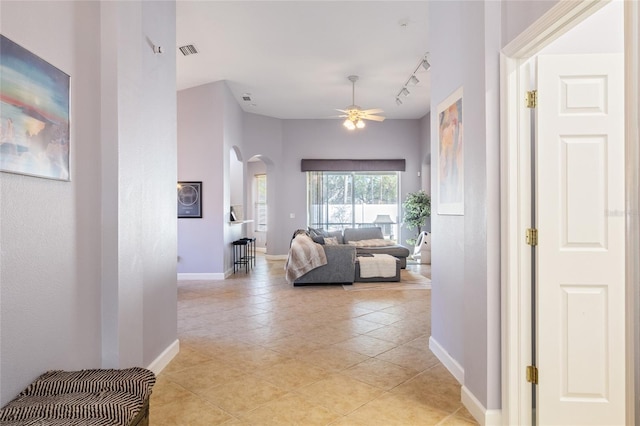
(251, 250)
(240, 255)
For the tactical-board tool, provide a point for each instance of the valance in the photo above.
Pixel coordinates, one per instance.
(321, 165)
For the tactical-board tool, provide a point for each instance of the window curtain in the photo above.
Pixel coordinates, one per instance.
(317, 214)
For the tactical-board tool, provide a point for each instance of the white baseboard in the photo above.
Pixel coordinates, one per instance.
(482, 415)
(452, 365)
(276, 257)
(201, 276)
(165, 357)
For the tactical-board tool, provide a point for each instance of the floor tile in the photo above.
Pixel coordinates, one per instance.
(242, 395)
(292, 374)
(340, 393)
(366, 345)
(290, 410)
(256, 351)
(393, 410)
(382, 374)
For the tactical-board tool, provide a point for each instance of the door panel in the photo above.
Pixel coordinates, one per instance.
(580, 269)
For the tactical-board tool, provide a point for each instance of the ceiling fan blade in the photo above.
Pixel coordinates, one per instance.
(342, 110)
(373, 117)
(372, 111)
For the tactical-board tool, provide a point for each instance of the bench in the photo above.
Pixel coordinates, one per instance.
(86, 397)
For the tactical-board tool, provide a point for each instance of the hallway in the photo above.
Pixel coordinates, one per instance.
(255, 350)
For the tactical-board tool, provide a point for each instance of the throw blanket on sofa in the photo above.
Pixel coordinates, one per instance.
(304, 255)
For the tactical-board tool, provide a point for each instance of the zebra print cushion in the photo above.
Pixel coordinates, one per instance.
(95, 397)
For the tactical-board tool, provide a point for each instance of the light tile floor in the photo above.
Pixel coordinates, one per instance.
(256, 351)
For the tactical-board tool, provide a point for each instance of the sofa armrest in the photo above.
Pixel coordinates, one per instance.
(340, 267)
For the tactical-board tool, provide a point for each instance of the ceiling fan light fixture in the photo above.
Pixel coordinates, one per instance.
(349, 124)
(360, 124)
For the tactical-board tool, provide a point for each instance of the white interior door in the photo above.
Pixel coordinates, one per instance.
(581, 249)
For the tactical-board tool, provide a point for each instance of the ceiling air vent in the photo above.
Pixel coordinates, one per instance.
(246, 97)
(189, 49)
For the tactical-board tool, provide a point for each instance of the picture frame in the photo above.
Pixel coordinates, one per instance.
(34, 114)
(450, 171)
(189, 200)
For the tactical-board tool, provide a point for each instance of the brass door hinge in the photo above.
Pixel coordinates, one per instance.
(532, 236)
(532, 374)
(532, 99)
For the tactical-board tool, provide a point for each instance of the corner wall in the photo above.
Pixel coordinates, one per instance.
(465, 258)
(466, 38)
(87, 276)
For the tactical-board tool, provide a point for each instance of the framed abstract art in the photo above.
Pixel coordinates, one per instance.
(34, 114)
(450, 183)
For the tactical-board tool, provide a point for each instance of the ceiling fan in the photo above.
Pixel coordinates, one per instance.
(353, 114)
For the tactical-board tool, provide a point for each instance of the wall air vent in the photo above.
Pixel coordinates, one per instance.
(188, 49)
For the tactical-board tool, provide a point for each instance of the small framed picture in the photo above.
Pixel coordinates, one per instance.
(189, 200)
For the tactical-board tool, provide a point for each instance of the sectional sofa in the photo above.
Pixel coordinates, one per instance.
(341, 249)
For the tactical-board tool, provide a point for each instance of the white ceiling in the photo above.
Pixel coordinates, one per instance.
(294, 57)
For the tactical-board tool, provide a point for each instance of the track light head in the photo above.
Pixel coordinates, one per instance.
(398, 101)
(425, 64)
(405, 91)
(414, 80)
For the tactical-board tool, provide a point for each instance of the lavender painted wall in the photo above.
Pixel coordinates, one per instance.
(200, 158)
(519, 14)
(328, 139)
(210, 125)
(50, 257)
(465, 257)
(466, 40)
(93, 301)
(281, 144)
(263, 137)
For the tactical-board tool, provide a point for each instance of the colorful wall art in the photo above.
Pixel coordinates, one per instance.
(451, 155)
(34, 114)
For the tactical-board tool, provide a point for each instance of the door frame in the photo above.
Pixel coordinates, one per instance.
(515, 188)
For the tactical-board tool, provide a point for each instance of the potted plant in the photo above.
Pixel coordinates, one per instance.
(417, 208)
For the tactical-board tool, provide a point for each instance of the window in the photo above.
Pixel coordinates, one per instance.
(260, 182)
(338, 200)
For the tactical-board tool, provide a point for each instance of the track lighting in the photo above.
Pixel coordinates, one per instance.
(413, 80)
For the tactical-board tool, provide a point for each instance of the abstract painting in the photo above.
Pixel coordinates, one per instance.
(451, 156)
(34, 114)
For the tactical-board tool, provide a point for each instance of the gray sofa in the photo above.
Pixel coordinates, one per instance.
(340, 267)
